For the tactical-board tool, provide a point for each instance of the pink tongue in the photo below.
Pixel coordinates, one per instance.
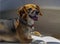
(35, 18)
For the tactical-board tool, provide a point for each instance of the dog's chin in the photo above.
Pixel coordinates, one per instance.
(35, 19)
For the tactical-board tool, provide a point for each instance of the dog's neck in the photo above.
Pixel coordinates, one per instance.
(30, 22)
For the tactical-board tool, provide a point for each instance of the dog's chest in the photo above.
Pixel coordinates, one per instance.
(30, 21)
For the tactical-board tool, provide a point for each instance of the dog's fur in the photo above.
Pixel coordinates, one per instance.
(22, 31)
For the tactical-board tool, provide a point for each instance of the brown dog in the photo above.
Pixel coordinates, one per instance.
(28, 14)
(23, 25)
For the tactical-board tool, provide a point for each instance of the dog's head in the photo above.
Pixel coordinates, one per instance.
(30, 10)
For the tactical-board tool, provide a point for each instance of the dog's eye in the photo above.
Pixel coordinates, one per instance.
(30, 9)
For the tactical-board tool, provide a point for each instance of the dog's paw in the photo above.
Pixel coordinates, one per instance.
(36, 33)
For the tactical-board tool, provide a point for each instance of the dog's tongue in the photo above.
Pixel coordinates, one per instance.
(35, 19)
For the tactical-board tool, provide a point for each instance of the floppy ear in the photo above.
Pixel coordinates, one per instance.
(38, 8)
(22, 13)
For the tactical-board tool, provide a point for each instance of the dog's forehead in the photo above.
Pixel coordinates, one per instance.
(30, 6)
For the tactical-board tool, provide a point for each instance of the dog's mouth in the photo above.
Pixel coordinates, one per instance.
(35, 18)
(34, 15)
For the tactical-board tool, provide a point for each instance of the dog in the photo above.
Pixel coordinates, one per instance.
(27, 15)
(22, 26)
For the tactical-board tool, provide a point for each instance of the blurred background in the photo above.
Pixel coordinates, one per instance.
(48, 24)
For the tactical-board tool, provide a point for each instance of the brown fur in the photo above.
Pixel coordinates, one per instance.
(21, 34)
